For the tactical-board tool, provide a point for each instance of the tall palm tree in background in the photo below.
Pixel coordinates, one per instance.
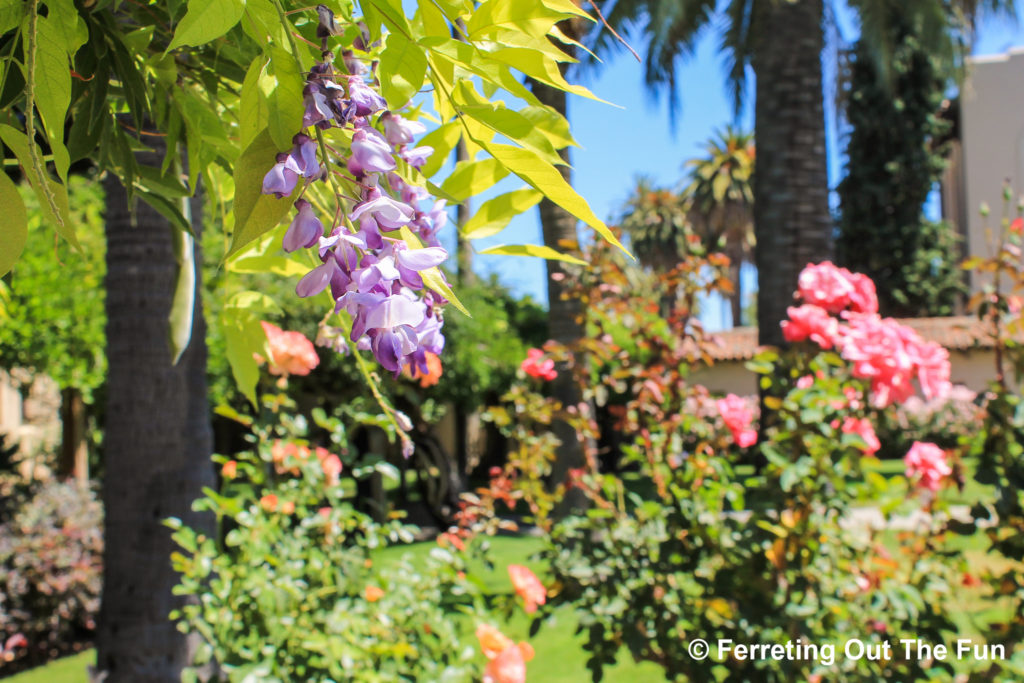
(781, 42)
(656, 221)
(721, 196)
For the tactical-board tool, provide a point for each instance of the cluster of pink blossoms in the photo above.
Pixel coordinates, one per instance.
(371, 272)
(536, 364)
(881, 350)
(926, 463)
(738, 417)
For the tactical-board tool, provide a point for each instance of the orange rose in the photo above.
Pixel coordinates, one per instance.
(492, 641)
(373, 593)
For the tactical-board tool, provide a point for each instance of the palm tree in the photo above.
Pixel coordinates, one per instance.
(157, 445)
(721, 198)
(781, 41)
(656, 221)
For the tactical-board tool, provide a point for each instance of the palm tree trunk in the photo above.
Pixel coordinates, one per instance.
(559, 230)
(74, 453)
(792, 224)
(158, 442)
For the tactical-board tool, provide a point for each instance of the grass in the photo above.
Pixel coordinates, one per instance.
(67, 670)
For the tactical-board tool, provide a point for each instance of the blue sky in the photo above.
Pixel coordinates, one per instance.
(618, 144)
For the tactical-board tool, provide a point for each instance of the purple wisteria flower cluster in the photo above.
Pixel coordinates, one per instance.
(370, 270)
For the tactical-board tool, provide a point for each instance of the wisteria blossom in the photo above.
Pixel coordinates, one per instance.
(375, 273)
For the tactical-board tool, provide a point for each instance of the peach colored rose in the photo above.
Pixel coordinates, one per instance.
(291, 353)
(528, 587)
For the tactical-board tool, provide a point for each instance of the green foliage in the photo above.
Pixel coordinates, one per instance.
(50, 571)
(484, 352)
(287, 588)
(51, 327)
(895, 158)
(999, 440)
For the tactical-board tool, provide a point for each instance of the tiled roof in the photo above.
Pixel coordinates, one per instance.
(957, 333)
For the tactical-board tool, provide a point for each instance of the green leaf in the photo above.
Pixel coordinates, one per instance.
(405, 64)
(68, 24)
(59, 213)
(443, 139)
(541, 68)
(11, 13)
(531, 17)
(505, 121)
(550, 123)
(52, 88)
(14, 226)
(473, 177)
(533, 250)
(547, 179)
(253, 110)
(205, 21)
(255, 212)
(494, 214)
(285, 99)
(183, 303)
(244, 337)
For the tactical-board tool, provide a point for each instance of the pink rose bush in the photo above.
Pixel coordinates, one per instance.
(888, 354)
(926, 464)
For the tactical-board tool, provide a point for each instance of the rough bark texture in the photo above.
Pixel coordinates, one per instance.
(157, 448)
(559, 230)
(791, 217)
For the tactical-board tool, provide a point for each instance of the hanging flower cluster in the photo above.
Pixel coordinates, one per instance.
(882, 350)
(372, 273)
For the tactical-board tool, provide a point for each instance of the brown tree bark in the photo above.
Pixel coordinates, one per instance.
(73, 461)
(792, 223)
(158, 442)
(564, 325)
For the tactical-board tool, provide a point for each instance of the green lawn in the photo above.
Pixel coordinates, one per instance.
(67, 670)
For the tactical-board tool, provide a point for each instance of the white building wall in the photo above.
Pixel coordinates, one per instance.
(992, 130)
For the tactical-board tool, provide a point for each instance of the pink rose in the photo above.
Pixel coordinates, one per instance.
(738, 417)
(862, 427)
(836, 289)
(810, 322)
(536, 365)
(826, 286)
(926, 463)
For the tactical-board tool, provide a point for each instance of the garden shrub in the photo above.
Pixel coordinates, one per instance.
(50, 573)
(291, 586)
(686, 539)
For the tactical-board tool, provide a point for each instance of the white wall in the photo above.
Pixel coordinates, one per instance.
(992, 130)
